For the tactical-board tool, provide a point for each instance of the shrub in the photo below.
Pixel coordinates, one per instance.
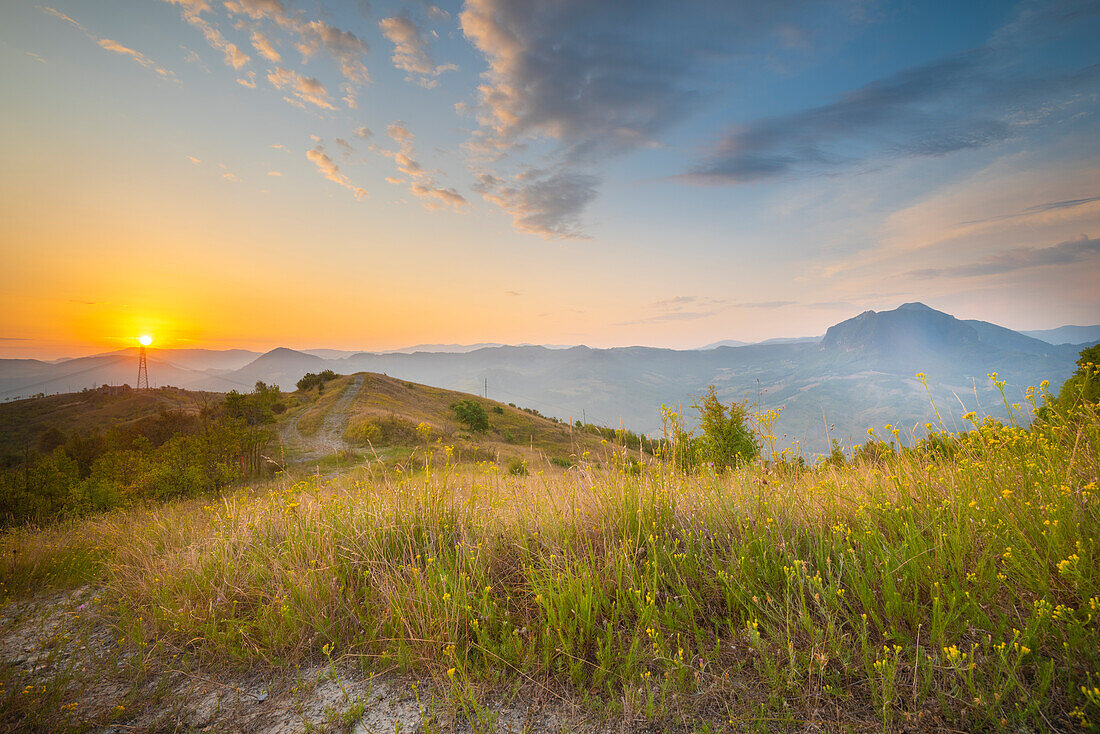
(726, 441)
(311, 380)
(518, 467)
(873, 451)
(362, 432)
(471, 414)
(1082, 387)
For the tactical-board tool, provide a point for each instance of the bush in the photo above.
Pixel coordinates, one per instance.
(1083, 386)
(471, 414)
(311, 380)
(873, 452)
(392, 431)
(518, 468)
(726, 441)
(362, 432)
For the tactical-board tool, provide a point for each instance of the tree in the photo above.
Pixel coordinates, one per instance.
(257, 407)
(50, 439)
(727, 442)
(471, 414)
(311, 380)
(1082, 387)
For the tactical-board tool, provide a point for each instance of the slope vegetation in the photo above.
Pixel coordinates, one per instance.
(392, 419)
(23, 422)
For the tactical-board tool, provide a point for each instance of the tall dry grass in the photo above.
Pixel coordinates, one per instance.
(952, 585)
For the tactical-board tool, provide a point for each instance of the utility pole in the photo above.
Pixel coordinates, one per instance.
(143, 371)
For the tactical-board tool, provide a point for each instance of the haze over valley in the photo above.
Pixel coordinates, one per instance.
(859, 375)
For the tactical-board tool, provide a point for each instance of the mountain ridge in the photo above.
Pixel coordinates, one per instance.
(859, 374)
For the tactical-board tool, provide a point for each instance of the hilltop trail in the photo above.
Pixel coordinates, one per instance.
(329, 437)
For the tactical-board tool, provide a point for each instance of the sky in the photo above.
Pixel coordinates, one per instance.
(371, 175)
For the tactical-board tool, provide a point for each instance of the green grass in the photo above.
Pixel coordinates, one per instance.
(932, 589)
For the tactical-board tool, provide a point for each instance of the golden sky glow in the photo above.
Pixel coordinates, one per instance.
(151, 183)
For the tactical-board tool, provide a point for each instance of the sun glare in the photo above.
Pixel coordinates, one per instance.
(145, 340)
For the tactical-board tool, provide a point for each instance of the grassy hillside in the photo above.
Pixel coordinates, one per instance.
(394, 418)
(950, 587)
(23, 421)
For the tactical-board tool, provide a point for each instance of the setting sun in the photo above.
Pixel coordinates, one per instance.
(145, 340)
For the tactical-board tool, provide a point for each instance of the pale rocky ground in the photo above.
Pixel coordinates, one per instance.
(61, 644)
(329, 437)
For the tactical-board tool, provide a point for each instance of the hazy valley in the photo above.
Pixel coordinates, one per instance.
(860, 374)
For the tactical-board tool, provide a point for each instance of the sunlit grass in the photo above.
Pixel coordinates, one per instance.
(952, 587)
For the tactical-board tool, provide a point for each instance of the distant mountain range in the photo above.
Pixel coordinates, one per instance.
(1067, 334)
(780, 340)
(860, 374)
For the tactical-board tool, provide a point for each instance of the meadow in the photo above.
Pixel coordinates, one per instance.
(949, 586)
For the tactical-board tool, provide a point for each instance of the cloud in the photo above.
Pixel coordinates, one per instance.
(438, 196)
(346, 148)
(680, 308)
(331, 171)
(231, 177)
(410, 51)
(363, 132)
(830, 304)
(1052, 205)
(192, 11)
(264, 48)
(305, 88)
(58, 14)
(674, 302)
(589, 74)
(963, 101)
(599, 78)
(274, 173)
(1019, 258)
(249, 80)
(691, 308)
(258, 9)
(345, 47)
(194, 160)
(1038, 209)
(547, 204)
(421, 183)
(764, 304)
(112, 46)
(895, 112)
(399, 132)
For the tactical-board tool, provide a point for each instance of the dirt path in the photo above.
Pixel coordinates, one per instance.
(329, 436)
(64, 667)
